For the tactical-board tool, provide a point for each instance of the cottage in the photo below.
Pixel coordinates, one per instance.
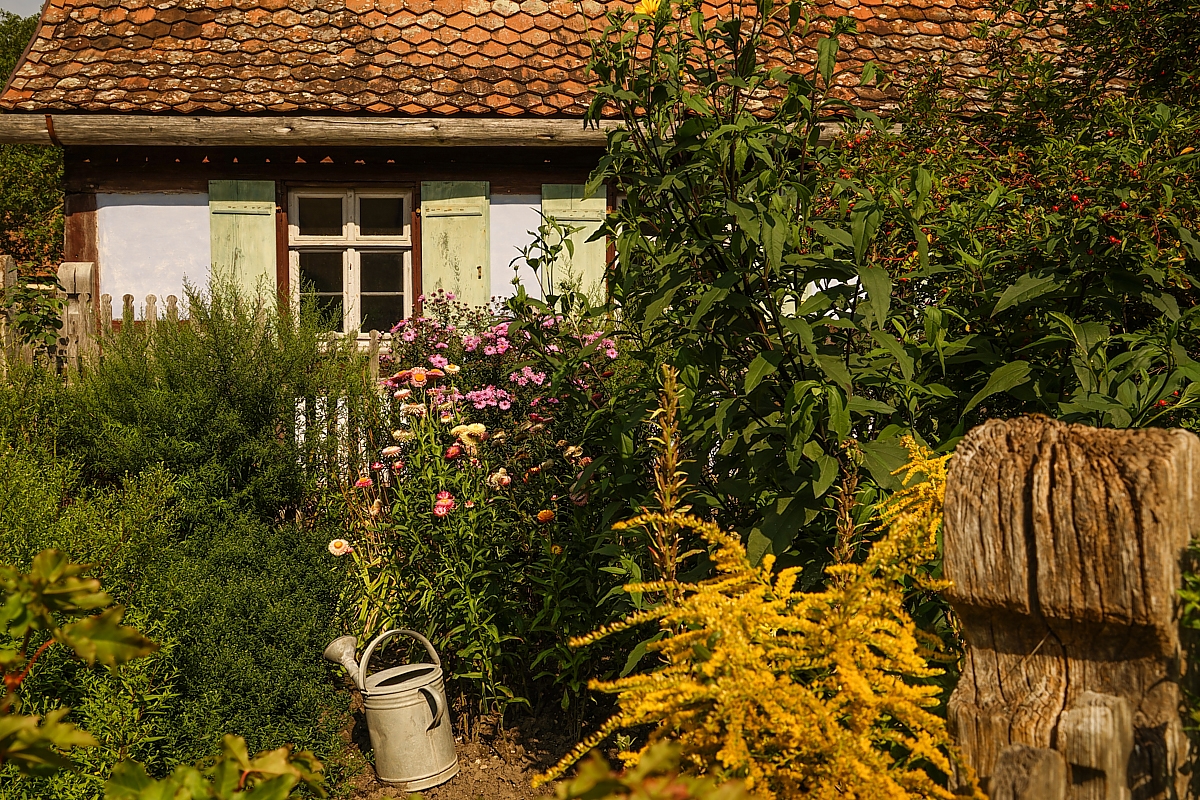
(366, 151)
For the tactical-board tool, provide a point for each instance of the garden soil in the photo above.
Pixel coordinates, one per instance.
(493, 765)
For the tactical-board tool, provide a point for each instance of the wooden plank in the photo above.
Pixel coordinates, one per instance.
(417, 270)
(121, 129)
(283, 268)
(584, 268)
(455, 249)
(242, 233)
(80, 232)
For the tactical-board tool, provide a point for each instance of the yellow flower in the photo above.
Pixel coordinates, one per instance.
(823, 694)
(545, 515)
(647, 7)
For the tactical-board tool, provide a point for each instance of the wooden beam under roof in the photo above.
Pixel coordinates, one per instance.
(69, 130)
(127, 129)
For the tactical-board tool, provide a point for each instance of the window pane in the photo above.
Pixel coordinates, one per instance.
(320, 216)
(381, 216)
(382, 272)
(321, 272)
(381, 311)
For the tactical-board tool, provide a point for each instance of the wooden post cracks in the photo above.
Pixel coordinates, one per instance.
(1065, 545)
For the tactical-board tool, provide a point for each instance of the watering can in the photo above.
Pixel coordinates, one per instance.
(406, 714)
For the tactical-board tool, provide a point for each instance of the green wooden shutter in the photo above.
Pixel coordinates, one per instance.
(455, 250)
(583, 269)
(241, 223)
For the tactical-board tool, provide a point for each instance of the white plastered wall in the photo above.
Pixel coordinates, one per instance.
(150, 243)
(515, 219)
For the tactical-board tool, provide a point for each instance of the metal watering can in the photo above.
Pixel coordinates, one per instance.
(406, 714)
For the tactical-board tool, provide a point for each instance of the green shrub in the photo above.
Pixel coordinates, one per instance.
(184, 484)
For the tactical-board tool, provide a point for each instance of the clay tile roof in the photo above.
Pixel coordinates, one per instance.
(402, 57)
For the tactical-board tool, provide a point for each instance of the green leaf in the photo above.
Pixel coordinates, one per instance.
(1026, 288)
(896, 350)
(866, 407)
(129, 781)
(827, 52)
(882, 458)
(839, 414)
(878, 284)
(825, 474)
(763, 365)
(102, 638)
(638, 652)
(835, 369)
(1006, 377)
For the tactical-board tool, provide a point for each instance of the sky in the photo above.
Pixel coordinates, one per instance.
(22, 7)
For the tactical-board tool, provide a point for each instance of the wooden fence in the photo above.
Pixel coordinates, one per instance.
(77, 341)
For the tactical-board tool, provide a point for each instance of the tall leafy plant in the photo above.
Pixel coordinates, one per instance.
(740, 261)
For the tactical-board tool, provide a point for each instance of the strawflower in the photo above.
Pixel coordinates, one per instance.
(545, 515)
(364, 482)
(340, 547)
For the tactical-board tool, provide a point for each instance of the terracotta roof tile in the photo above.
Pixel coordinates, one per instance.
(409, 57)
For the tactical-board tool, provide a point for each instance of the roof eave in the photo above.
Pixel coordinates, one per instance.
(69, 130)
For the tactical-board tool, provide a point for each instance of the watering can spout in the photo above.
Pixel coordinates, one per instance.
(341, 651)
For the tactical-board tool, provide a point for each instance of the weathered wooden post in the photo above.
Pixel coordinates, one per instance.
(1065, 546)
(8, 279)
(172, 309)
(151, 315)
(127, 311)
(78, 341)
(106, 319)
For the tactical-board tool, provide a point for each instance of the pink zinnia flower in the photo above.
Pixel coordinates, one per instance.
(439, 361)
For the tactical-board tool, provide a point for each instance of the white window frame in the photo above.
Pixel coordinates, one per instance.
(351, 244)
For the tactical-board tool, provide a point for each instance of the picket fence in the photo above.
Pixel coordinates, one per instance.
(86, 322)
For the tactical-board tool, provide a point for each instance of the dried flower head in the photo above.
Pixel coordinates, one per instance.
(340, 547)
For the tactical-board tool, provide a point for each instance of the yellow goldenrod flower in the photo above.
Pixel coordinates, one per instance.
(824, 695)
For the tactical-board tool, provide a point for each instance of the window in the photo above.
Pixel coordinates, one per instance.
(351, 250)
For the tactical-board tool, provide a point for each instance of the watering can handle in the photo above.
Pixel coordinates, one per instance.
(362, 666)
(439, 706)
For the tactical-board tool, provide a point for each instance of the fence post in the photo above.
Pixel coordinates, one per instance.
(106, 313)
(151, 310)
(1066, 546)
(373, 357)
(127, 311)
(8, 279)
(172, 309)
(78, 341)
